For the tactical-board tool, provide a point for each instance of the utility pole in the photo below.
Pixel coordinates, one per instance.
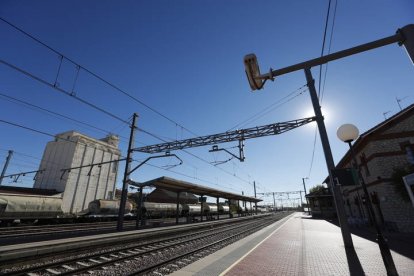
(5, 165)
(124, 192)
(274, 201)
(304, 188)
(255, 204)
(335, 189)
(404, 36)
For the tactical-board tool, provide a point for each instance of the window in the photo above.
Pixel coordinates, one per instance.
(408, 149)
(410, 154)
(364, 164)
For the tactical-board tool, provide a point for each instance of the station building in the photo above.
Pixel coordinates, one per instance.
(385, 154)
(79, 186)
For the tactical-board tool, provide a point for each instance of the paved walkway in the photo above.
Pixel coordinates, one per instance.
(302, 246)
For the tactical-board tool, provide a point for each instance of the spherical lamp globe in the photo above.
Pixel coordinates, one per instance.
(347, 133)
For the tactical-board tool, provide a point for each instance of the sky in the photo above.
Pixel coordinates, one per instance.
(182, 64)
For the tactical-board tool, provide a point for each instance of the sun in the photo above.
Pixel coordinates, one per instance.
(326, 113)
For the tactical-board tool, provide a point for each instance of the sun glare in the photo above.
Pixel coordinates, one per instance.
(326, 113)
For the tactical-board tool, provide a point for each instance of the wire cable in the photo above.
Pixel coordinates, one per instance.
(61, 90)
(86, 102)
(15, 100)
(96, 75)
(329, 49)
(323, 46)
(320, 94)
(271, 107)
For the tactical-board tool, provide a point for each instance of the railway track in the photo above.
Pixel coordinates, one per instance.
(157, 257)
(78, 228)
(12, 232)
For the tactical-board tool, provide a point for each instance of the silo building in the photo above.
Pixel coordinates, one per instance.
(79, 185)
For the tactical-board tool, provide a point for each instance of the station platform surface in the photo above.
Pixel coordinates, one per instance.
(300, 245)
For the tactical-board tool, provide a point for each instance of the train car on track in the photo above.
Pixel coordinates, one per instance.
(160, 210)
(223, 209)
(209, 208)
(164, 210)
(28, 207)
(191, 209)
(107, 207)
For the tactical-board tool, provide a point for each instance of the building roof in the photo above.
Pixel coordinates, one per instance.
(27, 191)
(364, 138)
(110, 140)
(175, 185)
(325, 192)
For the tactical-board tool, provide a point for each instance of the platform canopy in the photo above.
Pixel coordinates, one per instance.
(175, 185)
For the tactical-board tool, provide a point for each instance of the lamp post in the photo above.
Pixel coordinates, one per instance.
(404, 36)
(348, 133)
(304, 188)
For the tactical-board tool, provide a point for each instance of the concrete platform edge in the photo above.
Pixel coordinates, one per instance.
(225, 258)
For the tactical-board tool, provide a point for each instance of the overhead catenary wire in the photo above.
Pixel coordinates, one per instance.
(48, 111)
(51, 135)
(329, 49)
(99, 109)
(72, 94)
(323, 45)
(299, 91)
(320, 94)
(43, 133)
(192, 177)
(95, 75)
(45, 82)
(153, 135)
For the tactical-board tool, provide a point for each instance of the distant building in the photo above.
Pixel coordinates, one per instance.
(381, 152)
(79, 186)
(321, 203)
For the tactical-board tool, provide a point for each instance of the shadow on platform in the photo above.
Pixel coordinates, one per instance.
(355, 267)
(402, 243)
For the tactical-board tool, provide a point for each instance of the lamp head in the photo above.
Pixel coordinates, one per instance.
(253, 72)
(347, 133)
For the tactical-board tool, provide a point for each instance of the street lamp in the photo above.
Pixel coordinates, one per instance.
(348, 133)
(304, 188)
(404, 36)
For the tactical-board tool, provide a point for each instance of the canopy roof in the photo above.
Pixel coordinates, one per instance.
(175, 185)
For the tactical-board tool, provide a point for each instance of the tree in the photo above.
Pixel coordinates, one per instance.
(318, 189)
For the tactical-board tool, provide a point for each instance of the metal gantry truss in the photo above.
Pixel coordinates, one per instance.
(281, 194)
(229, 136)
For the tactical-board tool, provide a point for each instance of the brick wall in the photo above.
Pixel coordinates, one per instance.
(383, 153)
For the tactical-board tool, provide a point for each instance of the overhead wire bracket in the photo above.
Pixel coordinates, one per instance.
(241, 157)
(16, 176)
(167, 154)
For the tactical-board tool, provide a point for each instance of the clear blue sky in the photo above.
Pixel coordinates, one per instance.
(185, 60)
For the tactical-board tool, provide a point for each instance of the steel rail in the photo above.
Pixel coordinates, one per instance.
(192, 252)
(225, 227)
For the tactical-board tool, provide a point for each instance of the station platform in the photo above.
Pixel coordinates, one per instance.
(300, 245)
